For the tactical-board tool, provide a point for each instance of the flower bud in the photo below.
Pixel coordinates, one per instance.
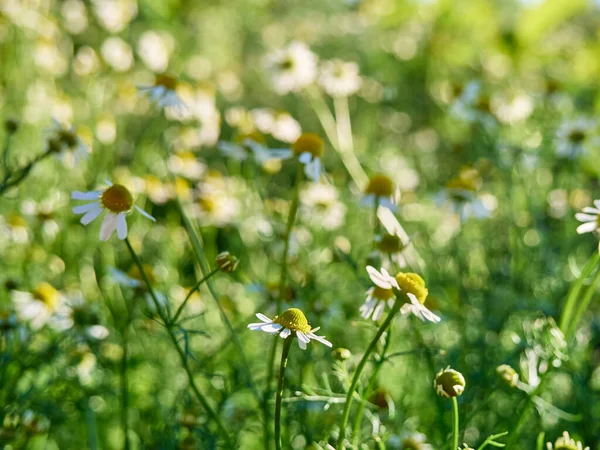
(449, 383)
(508, 375)
(226, 262)
(341, 354)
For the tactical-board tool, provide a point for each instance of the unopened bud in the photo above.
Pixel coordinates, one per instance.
(449, 383)
(508, 375)
(226, 262)
(341, 354)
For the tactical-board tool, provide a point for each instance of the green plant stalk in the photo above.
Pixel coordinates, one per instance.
(370, 385)
(565, 319)
(376, 223)
(540, 441)
(124, 392)
(361, 365)
(514, 434)
(582, 306)
(10, 181)
(5, 153)
(455, 419)
(184, 361)
(194, 289)
(287, 343)
(491, 440)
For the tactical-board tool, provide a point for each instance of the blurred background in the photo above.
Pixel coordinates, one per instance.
(481, 112)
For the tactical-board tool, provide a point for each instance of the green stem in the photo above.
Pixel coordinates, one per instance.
(267, 395)
(288, 231)
(361, 365)
(194, 289)
(370, 385)
(184, 360)
(514, 434)
(565, 319)
(582, 306)
(5, 154)
(284, 360)
(455, 420)
(10, 181)
(124, 392)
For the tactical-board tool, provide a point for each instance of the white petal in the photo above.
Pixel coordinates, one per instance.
(81, 209)
(378, 310)
(91, 215)
(597, 203)
(367, 308)
(586, 227)
(302, 344)
(271, 328)
(264, 318)
(313, 169)
(285, 333)
(302, 337)
(383, 279)
(590, 210)
(91, 195)
(585, 217)
(321, 339)
(145, 214)
(305, 157)
(109, 225)
(121, 226)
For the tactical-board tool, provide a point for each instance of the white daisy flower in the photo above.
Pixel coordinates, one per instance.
(414, 441)
(39, 306)
(380, 190)
(309, 149)
(116, 200)
(409, 283)
(81, 315)
(339, 78)
(391, 244)
(572, 137)
(291, 68)
(163, 92)
(461, 194)
(291, 321)
(473, 105)
(589, 217)
(567, 443)
(66, 145)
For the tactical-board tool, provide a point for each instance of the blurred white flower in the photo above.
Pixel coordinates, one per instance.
(291, 68)
(187, 165)
(117, 54)
(572, 137)
(40, 305)
(461, 194)
(75, 15)
(116, 200)
(163, 92)
(66, 145)
(321, 207)
(414, 441)
(339, 78)
(292, 320)
(155, 49)
(115, 15)
(473, 105)
(280, 124)
(379, 191)
(252, 144)
(590, 218)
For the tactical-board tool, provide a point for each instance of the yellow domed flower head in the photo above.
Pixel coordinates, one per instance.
(449, 383)
(309, 149)
(291, 321)
(163, 92)
(413, 286)
(380, 191)
(565, 442)
(116, 200)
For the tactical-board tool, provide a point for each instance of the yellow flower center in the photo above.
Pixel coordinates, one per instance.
(293, 319)
(465, 184)
(166, 81)
(46, 294)
(389, 243)
(382, 294)
(412, 283)
(380, 185)
(117, 199)
(308, 143)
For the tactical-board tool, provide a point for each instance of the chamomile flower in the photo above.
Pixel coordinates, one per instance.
(309, 149)
(291, 321)
(163, 92)
(473, 104)
(66, 145)
(411, 284)
(590, 218)
(462, 195)
(380, 191)
(39, 306)
(572, 138)
(390, 243)
(339, 78)
(565, 442)
(291, 68)
(449, 383)
(414, 441)
(116, 201)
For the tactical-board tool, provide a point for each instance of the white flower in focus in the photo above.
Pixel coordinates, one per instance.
(589, 217)
(66, 145)
(163, 92)
(292, 320)
(39, 306)
(572, 138)
(377, 297)
(339, 78)
(291, 68)
(116, 200)
(565, 442)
